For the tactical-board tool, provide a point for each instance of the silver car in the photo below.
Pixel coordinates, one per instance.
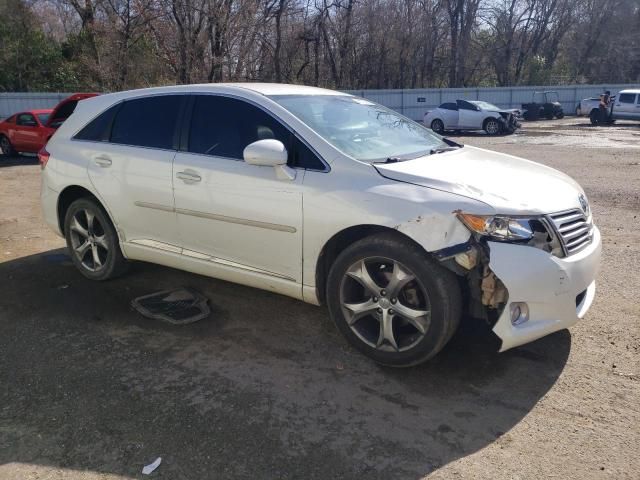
(472, 115)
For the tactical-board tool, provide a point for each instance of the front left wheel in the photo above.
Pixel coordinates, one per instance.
(491, 126)
(391, 301)
(92, 241)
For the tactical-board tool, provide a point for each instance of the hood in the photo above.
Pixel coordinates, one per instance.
(509, 184)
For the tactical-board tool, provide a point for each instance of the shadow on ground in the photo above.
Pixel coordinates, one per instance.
(264, 388)
(15, 160)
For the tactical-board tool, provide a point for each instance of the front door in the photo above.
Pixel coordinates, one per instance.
(26, 136)
(470, 115)
(230, 213)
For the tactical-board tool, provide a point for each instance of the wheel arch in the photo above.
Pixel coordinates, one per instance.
(341, 240)
(72, 193)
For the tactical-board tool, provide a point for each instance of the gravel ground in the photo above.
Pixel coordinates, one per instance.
(266, 388)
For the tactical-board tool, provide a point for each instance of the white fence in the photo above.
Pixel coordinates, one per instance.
(18, 102)
(412, 103)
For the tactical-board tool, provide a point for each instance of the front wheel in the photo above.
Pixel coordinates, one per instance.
(491, 126)
(437, 126)
(391, 301)
(92, 241)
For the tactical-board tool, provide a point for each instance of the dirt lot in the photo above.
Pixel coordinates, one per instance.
(266, 388)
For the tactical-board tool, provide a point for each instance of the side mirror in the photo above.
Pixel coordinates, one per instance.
(266, 153)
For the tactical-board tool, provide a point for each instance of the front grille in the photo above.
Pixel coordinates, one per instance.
(574, 230)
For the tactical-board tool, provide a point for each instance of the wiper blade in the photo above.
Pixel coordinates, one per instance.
(391, 160)
(443, 149)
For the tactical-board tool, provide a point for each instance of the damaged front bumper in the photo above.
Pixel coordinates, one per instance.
(557, 291)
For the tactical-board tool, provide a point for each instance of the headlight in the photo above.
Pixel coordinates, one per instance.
(498, 227)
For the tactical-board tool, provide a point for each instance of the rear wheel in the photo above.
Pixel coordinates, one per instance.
(437, 126)
(391, 301)
(491, 126)
(92, 241)
(594, 117)
(6, 147)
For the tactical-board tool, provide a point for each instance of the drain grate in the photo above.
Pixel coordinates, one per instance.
(178, 307)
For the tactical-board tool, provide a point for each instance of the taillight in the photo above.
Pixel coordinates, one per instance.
(43, 157)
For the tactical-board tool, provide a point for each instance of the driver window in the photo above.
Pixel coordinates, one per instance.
(223, 127)
(27, 120)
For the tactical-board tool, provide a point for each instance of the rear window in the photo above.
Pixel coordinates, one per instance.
(147, 122)
(99, 129)
(627, 98)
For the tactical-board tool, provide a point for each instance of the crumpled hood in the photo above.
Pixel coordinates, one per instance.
(509, 184)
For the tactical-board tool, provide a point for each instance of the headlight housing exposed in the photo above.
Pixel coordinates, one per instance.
(502, 228)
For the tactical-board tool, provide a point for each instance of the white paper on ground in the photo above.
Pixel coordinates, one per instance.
(148, 469)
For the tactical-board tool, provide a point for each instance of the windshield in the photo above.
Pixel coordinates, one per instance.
(43, 117)
(484, 105)
(362, 129)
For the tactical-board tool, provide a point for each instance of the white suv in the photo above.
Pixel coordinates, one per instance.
(327, 198)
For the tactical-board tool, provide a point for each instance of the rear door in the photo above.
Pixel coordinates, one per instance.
(449, 113)
(131, 166)
(625, 106)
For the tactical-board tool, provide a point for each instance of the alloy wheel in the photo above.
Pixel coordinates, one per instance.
(88, 240)
(5, 146)
(492, 127)
(385, 304)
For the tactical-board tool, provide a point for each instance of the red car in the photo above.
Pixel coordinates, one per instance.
(30, 131)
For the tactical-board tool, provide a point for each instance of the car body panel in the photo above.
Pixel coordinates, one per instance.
(548, 284)
(471, 172)
(251, 225)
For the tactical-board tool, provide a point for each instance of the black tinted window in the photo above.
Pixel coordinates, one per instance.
(466, 105)
(224, 126)
(99, 128)
(627, 98)
(303, 157)
(147, 122)
(449, 106)
(27, 120)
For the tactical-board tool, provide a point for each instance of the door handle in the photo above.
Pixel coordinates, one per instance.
(188, 177)
(102, 161)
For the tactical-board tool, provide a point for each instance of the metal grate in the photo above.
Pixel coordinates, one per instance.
(574, 229)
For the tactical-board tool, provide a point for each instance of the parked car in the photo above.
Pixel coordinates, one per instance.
(25, 131)
(586, 105)
(29, 131)
(543, 105)
(472, 115)
(624, 106)
(402, 231)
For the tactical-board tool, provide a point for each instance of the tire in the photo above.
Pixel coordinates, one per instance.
(427, 295)
(492, 126)
(560, 115)
(6, 147)
(437, 126)
(594, 117)
(92, 241)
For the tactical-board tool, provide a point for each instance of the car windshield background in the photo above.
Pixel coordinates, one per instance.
(360, 128)
(484, 105)
(147, 122)
(43, 117)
